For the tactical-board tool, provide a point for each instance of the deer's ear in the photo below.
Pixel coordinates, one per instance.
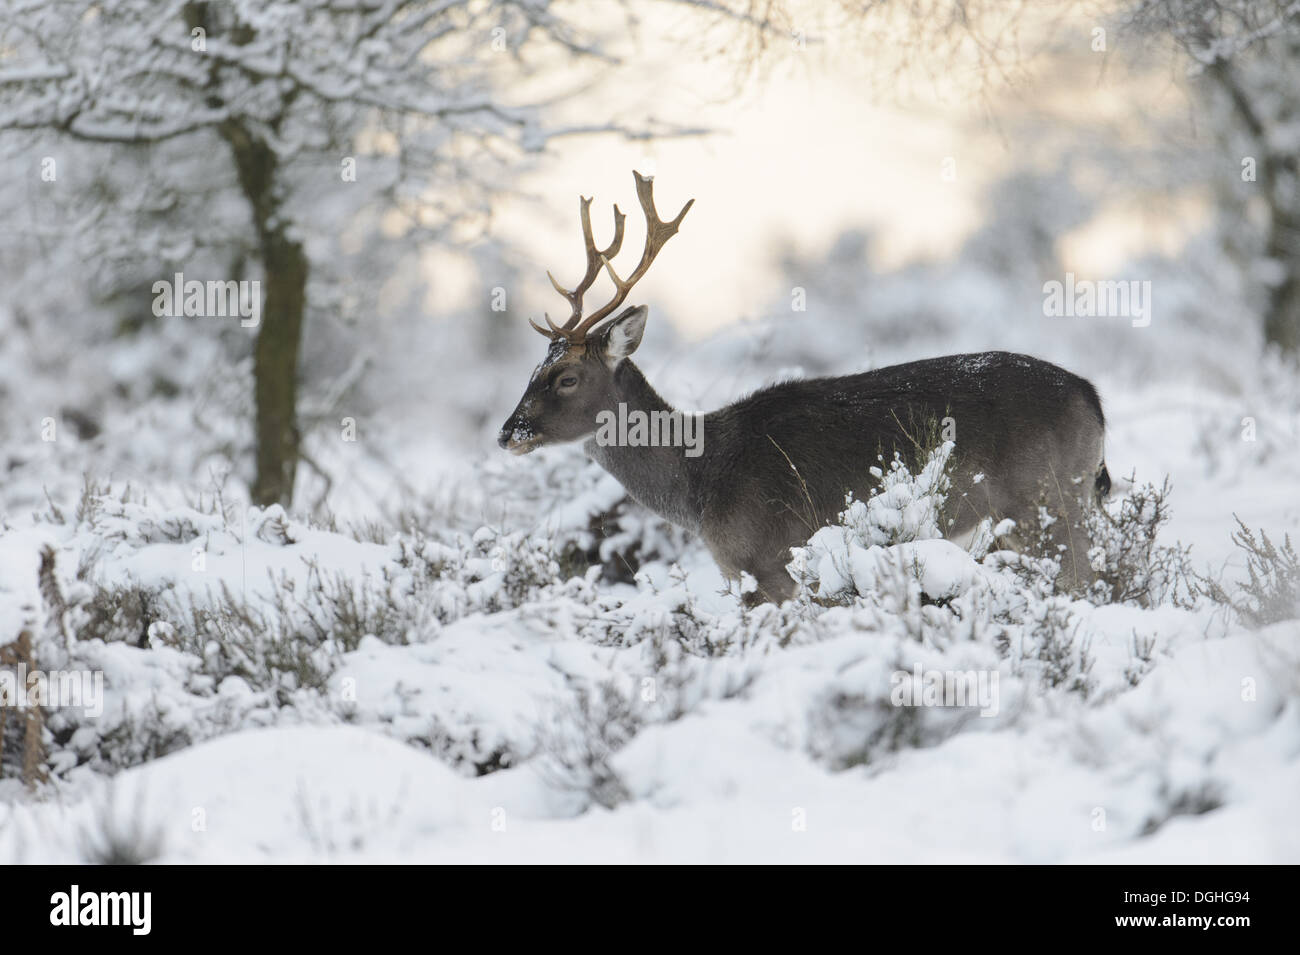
(623, 334)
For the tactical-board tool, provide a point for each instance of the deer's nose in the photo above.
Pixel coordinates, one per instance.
(518, 436)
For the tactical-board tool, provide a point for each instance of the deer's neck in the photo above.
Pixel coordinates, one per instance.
(656, 473)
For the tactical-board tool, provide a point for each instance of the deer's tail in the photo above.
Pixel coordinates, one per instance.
(1102, 484)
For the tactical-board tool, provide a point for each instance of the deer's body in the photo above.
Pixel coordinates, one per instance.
(777, 465)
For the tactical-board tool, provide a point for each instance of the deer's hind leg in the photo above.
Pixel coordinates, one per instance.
(1054, 523)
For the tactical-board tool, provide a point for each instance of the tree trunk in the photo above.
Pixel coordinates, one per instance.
(1282, 320)
(275, 357)
(275, 370)
(1279, 180)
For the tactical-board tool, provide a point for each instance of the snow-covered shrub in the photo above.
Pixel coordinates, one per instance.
(580, 733)
(276, 643)
(558, 494)
(620, 539)
(886, 560)
(1185, 798)
(119, 836)
(1126, 562)
(1050, 645)
(139, 731)
(853, 729)
(683, 625)
(118, 613)
(894, 698)
(228, 652)
(1143, 654)
(1037, 564)
(841, 558)
(464, 749)
(128, 517)
(885, 571)
(575, 744)
(290, 636)
(1130, 566)
(485, 572)
(217, 652)
(1272, 591)
(905, 506)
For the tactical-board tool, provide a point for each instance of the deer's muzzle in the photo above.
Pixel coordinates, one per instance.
(518, 438)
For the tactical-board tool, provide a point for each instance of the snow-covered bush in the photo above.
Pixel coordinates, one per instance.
(1272, 591)
(879, 704)
(484, 572)
(227, 651)
(903, 508)
(558, 494)
(1130, 566)
(1050, 645)
(577, 742)
(1126, 562)
(119, 835)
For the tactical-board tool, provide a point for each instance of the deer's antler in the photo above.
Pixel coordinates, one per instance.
(657, 234)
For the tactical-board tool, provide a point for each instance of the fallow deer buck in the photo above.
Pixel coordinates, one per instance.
(777, 465)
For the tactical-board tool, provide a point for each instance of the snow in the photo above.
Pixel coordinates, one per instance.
(453, 655)
(712, 787)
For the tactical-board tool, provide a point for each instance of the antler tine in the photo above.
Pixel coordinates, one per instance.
(594, 259)
(657, 234)
(555, 329)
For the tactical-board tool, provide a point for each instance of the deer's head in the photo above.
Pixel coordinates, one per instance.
(575, 381)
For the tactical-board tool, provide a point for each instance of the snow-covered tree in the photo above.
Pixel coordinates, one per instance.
(1242, 57)
(297, 115)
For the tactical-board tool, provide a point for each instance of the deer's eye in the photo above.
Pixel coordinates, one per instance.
(567, 383)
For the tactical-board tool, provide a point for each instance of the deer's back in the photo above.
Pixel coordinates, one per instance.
(793, 450)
